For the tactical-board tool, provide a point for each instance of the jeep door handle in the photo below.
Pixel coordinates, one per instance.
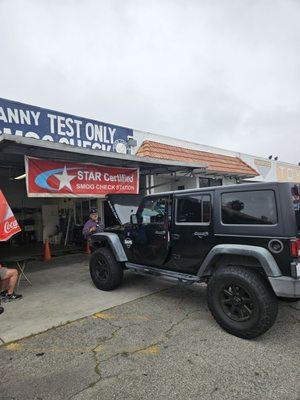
(175, 236)
(160, 232)
(201, 235)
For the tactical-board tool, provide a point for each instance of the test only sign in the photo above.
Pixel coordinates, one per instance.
(45, 178)
(23, 120)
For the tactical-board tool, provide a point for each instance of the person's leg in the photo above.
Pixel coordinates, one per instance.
(3, 285)
(11, 277)
(3, 280)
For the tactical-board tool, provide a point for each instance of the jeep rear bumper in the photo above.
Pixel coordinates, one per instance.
(285, 286)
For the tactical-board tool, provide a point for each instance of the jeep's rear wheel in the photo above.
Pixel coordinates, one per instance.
(106, 272)
(241, 301)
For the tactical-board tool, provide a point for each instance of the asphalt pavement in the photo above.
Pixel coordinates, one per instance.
(165, 345)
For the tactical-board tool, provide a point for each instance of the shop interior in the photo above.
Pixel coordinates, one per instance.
(60, 220)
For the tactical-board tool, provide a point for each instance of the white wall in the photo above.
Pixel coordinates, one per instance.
(167, 183)
(229, 181)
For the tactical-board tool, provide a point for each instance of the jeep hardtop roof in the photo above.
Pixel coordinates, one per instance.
(288, 208)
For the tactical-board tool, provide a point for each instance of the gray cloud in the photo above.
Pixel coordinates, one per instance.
(222, 73)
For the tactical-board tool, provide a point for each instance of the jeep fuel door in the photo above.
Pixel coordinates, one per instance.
(192, 234)
(151, 236)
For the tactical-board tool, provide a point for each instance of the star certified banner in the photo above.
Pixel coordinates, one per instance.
(8, 223)
(45, 178)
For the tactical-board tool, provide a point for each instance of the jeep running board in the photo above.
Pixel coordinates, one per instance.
(172, 275)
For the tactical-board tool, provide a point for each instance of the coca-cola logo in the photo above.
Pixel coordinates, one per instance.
(10, 225)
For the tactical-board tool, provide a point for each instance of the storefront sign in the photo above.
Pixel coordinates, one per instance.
(20, 119)
(46, 178)
(286, 173)
(8, 223)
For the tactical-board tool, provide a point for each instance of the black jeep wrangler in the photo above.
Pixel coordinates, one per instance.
(242, 240)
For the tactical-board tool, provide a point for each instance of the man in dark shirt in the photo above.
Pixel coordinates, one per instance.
(93, 225)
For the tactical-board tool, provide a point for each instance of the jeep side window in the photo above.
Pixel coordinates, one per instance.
(249, 208)
(153, 211)
(295, 190)
(193, 209)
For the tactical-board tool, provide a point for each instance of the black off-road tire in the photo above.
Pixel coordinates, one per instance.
(106, 272)
(257, 295)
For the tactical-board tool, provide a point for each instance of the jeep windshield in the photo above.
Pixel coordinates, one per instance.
(295, 189)
(123, 205)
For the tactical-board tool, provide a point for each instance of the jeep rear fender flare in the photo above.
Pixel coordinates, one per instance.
(112, 240)
(262, 255)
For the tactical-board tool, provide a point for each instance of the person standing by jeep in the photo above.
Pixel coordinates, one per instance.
(93, 225)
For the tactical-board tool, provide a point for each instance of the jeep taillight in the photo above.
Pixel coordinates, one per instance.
(295, 248)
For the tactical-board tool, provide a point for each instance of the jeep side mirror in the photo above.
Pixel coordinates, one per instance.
(133, 219)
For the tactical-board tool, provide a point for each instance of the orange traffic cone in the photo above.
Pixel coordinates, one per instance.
(88, 249)
(47, 252)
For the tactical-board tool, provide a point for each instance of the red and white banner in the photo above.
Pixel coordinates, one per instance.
(46, 178)
(8, 223)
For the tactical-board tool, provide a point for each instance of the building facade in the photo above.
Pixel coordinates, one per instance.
(265, 170)
(77, 144)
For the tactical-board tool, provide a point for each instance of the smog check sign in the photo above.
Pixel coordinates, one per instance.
(46, 178)
(23, 120)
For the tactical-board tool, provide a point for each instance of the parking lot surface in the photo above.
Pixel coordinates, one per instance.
(163, 346)
(62, 291)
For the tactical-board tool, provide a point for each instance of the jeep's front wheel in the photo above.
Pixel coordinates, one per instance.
(106, 272)
(241, 301)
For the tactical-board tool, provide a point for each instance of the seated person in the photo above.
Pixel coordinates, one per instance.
(8, 281)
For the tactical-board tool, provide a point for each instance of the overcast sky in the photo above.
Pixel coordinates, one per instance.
(224, 73)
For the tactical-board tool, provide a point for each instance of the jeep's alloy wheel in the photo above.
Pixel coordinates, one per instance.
(101, 269)
(236, 302)
(241, 301)
(106, 272)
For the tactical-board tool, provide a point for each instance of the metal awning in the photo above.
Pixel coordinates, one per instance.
(20, 146)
